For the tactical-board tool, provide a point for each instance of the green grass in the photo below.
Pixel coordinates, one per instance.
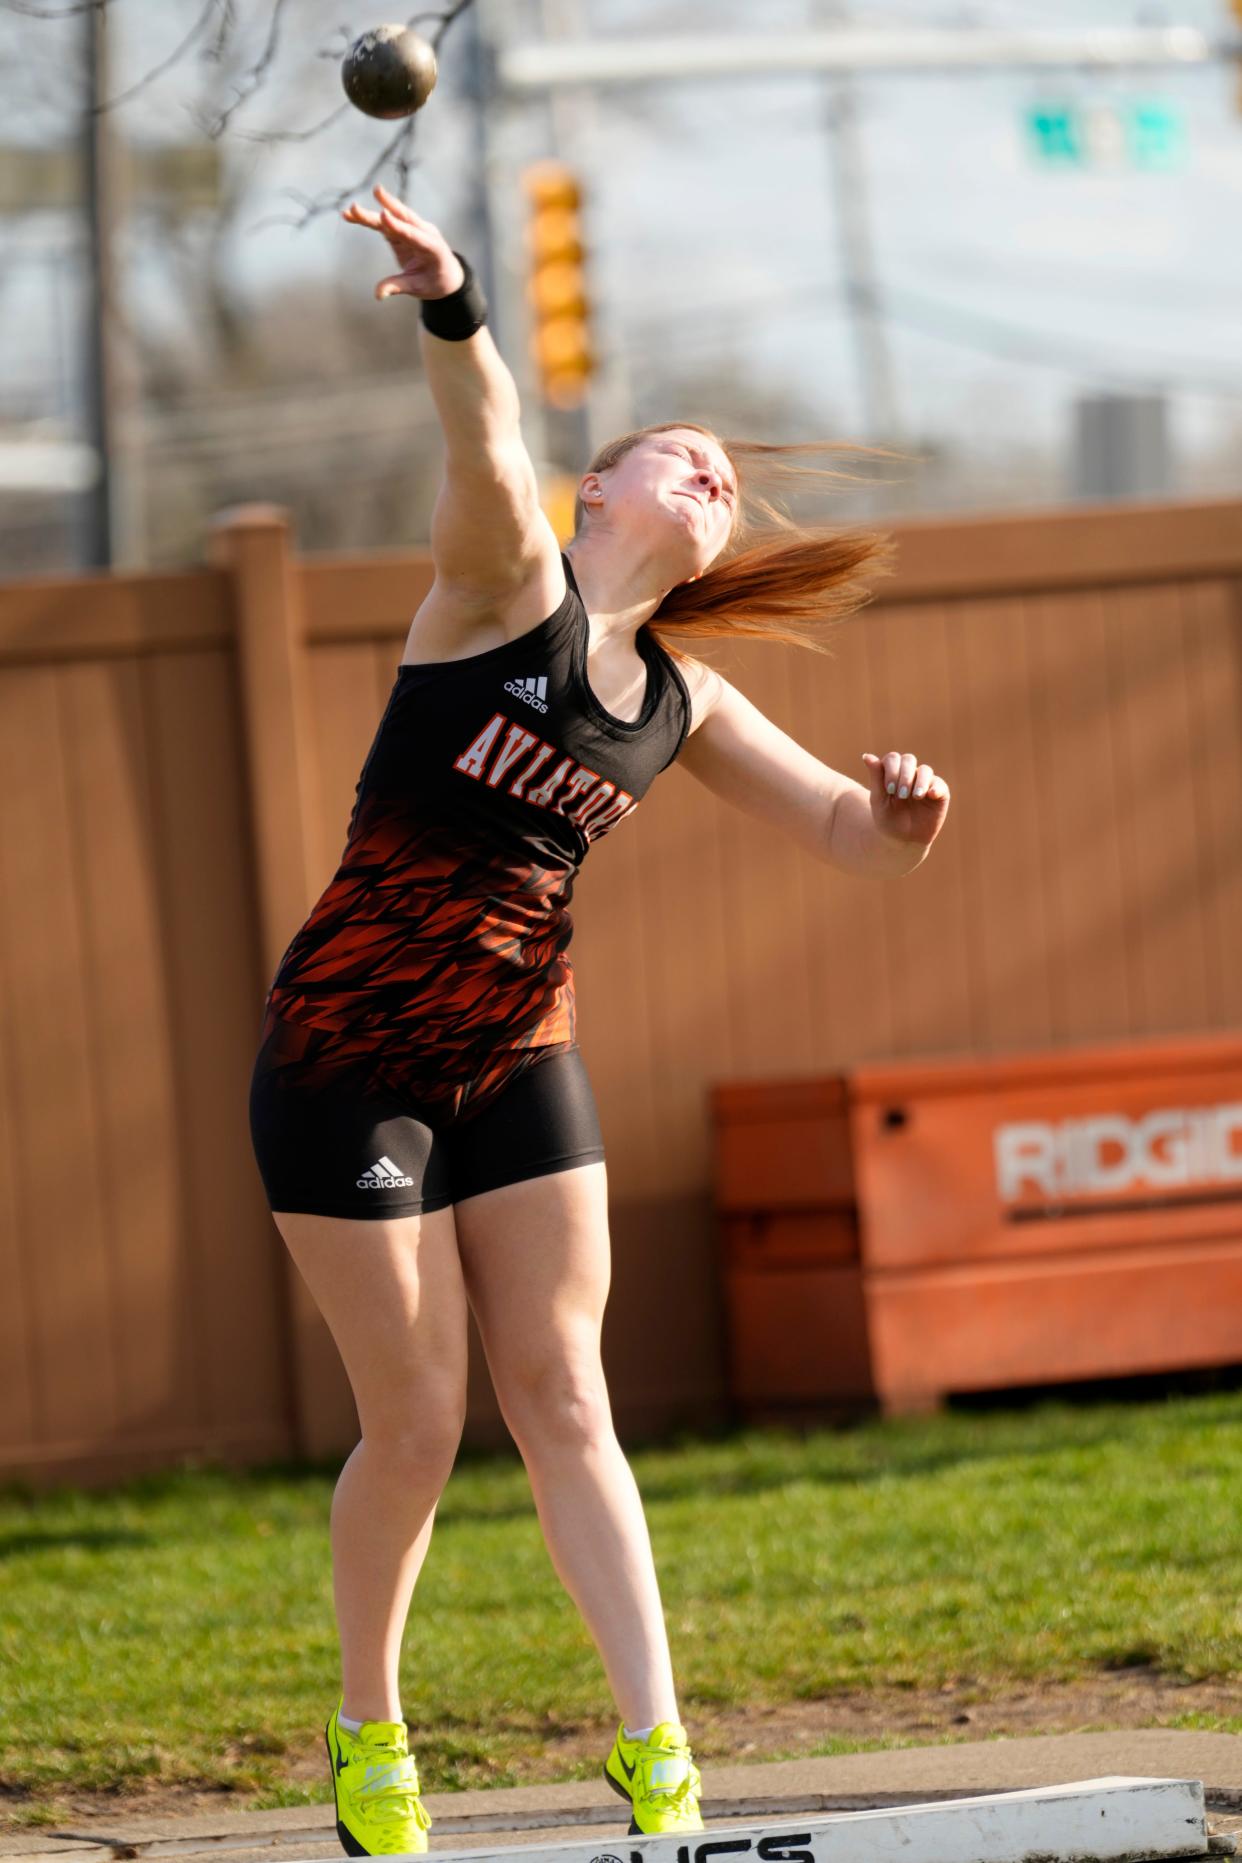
(181, 1627)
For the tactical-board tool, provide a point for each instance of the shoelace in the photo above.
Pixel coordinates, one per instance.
(689, 1787)
(398, 1801)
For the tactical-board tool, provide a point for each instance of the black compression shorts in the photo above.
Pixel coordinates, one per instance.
(345, 1146)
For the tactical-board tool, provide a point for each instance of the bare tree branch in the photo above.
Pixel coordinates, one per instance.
(291, 135)
(399, 151)
(256, 73)
(169, 62)
(334, 53)
(214, 54)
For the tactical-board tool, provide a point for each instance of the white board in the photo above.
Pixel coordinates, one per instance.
(1093, 1821)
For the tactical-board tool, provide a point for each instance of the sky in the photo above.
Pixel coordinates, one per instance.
(1008, 287)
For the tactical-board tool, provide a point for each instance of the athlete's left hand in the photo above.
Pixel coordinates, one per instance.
(908, 800)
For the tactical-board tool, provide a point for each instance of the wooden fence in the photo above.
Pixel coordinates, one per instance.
(178, 754)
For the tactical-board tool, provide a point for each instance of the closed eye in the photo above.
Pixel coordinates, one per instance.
(681, 447)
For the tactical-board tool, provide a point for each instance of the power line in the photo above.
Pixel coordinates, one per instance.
(932, 317)
(951, 324)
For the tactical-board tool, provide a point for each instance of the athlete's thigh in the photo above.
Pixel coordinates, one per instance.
(394, 1299)
(357, 1184)
(534, 1243)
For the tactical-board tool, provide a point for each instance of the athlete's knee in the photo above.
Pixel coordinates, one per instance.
(561, 1403)
(417, 1429)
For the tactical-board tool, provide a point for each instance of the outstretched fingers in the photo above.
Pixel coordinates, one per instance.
(364, 216)
(398, 207)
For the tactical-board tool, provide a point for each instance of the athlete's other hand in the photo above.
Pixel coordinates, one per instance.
(429, 267)
(908, 800)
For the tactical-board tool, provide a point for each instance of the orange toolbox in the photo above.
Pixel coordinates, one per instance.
(898, 1233)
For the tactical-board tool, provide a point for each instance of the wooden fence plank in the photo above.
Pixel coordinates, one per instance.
(51, 619)
(58, 1188)
(689, 995)
(1212, 619)
(929, 978)
(849, 945)
(608, 953)
(109, 782)
(1073, 726)
(980, 557)
(231, 1259)
(1155, 819)
(999, 804)
(764, 912)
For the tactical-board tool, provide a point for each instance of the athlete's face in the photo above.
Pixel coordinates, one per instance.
(676, 490)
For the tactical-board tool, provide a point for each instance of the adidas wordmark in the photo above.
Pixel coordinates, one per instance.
(383, 1176)
(533, 691)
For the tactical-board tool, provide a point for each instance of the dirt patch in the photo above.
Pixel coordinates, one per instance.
(1125, 1699)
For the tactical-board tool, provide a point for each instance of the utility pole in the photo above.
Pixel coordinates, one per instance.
(97, 506)
(109, 520)
(859, 277)
(98, 177)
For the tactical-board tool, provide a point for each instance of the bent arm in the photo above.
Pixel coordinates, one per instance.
(742, 756)
(855, 844)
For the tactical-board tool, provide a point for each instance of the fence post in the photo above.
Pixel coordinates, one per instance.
(252, 545)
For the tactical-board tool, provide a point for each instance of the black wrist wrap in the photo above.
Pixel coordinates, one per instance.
(461, 313)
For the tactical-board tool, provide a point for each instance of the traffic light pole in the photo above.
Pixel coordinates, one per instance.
(500, 124)
(600, 61)
(572, 441)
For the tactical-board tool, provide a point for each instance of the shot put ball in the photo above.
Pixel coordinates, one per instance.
(389, 72)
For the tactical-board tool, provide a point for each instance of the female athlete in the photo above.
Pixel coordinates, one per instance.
(421, 1113)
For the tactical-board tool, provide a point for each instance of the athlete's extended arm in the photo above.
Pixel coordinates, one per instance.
(740, 755)
(475, 395)
(487, 528)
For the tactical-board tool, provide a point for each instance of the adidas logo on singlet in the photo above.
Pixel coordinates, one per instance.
(532, 691)
(383, 1176)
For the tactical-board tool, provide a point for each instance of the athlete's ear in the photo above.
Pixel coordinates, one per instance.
(591, 488)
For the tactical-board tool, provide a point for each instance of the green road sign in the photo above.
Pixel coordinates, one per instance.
(1155, 134)
(1141, 132)
(1056, 134)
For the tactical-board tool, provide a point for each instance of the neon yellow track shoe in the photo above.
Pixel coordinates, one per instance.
(658, 1777)
(378, 1810)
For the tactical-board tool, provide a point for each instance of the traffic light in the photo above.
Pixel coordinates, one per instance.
(557, 496)
(560, 311)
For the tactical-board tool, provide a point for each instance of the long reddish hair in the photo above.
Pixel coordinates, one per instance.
(807, 574)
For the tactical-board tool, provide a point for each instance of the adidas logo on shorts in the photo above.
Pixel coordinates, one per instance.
(383, 1176)
(532, 691)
